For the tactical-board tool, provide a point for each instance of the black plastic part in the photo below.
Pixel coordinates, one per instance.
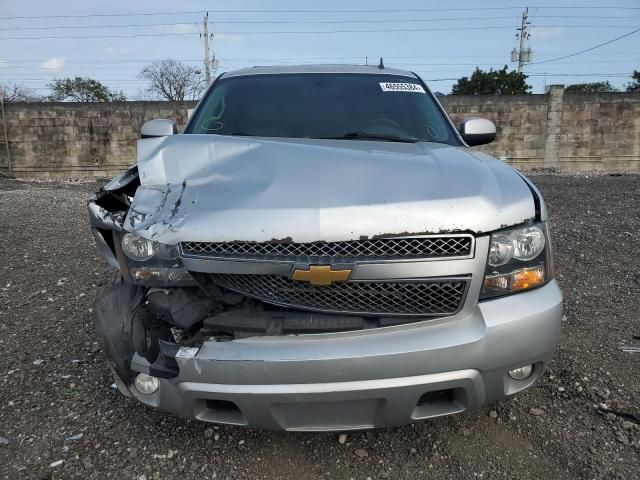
(182, 307)
(478, 138)
(254, 319)
(536, 197)
(120, 333)
(165, 365)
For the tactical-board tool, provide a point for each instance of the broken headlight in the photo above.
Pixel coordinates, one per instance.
(519, 259)
(141, 249)
(138, 248)
(150, 263)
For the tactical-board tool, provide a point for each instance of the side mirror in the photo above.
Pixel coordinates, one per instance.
(477, 131)
(158, 128)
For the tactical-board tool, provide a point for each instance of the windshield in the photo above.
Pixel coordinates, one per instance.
(323, 105)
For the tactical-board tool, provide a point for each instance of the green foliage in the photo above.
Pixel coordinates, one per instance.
(82, 89)
(594, 87)
(493, 82)
(635, 85)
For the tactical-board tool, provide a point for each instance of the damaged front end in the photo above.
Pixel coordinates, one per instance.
(238, 304)
(155, 306)
(157, 310)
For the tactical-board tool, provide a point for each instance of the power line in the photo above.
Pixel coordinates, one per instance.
(75, 27)
(330, 22)
(49, 37)
(310, 11)
(36, 70)
(295, 59)
(252, 22)
(101, 36)
(299, 32)
(588, 49)
(528, 74)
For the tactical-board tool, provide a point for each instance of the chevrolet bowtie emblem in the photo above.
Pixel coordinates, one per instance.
(321, 275)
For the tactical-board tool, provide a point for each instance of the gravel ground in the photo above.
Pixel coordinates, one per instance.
(59, 418)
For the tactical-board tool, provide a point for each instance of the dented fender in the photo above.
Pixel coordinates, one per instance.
(107, 210)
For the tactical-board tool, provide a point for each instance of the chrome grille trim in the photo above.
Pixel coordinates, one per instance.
(418, 298)
(396, 248)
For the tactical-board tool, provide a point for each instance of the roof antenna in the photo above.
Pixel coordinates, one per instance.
(381, 64)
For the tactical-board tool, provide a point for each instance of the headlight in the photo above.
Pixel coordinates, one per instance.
(522, 244)
(138, 248)
(152, 264)
(528, 243)
(519, 259)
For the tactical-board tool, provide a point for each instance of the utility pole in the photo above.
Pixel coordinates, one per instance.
(5, 140)
(207, 61)
(522, 55)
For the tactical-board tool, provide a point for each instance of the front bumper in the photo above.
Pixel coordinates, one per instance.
(367, 379)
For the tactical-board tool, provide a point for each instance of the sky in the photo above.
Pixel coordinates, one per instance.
(441, 41)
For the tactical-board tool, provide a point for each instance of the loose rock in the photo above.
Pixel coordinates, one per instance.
(361, 452)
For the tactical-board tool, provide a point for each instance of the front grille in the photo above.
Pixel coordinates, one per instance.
(382, 248)
(433, 297)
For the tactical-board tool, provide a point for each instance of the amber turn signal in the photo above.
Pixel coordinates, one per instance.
(527, 278)
(521, 279)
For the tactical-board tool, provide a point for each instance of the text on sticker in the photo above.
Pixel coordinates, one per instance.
(401, 87)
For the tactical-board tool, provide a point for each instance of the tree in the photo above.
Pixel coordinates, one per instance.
(82, 89)
(594, 87)
(14, 92)
(493, 82)
(173, 80)
(635, 85)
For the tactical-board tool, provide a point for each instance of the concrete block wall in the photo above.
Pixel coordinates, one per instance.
(554, 130)
(79, 139)
(521, 122)
(569, 133)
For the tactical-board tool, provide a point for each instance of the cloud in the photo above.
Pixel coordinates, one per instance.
(53, 65)
(111, 50)
(547, 33)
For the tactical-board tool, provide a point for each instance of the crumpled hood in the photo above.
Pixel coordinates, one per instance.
(217, 188)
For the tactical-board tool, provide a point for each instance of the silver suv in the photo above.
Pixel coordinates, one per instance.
(320, 249)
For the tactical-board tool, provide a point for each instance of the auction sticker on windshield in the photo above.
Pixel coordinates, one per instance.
(401, 87)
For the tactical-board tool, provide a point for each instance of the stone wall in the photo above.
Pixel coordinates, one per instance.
(569, 133)
(566, 132)
(76, 139)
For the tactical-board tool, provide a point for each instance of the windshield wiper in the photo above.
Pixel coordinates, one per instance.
(239, 134)
(360, 135)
